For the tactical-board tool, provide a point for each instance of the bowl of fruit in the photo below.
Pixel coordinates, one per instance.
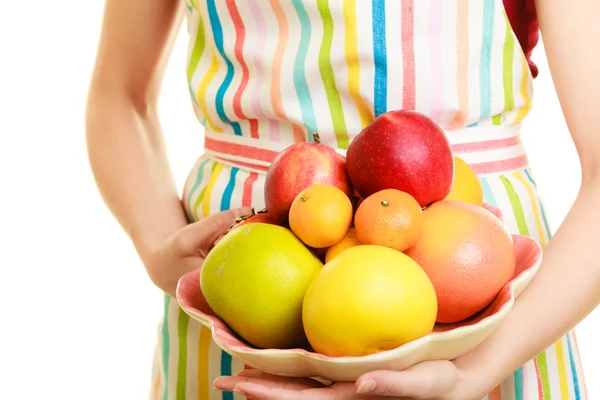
(381, 263)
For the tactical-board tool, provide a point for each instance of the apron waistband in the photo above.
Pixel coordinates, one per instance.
(487, 149)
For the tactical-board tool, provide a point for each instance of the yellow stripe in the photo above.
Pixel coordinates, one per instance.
(203, 345)
(524, 92)
(534, 204)
(351, 47)
(562, 371)
(209, 188)
(212, 72)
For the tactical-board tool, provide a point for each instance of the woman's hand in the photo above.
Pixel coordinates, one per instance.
(432, 380)
(187, 248)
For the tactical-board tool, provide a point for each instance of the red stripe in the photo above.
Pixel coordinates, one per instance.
(485, 145)
(248, 185)
(538, 376)
(500, 166)
(408, 53)
(240, 150)
(240, 34)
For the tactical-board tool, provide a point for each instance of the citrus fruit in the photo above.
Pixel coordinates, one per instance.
(389, 218)
(321, 215)
(348, 241)
(255, 278)
(368, 299)
(467, 253)
(466, 185)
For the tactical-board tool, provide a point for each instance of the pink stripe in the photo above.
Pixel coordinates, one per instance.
(437, 68)
(462, 61)
(258, 57)
(408, 54)
(500, 166)
(242, 165)
(485, 145)
(525, 383)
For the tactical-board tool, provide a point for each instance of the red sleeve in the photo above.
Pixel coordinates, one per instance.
(523, 19)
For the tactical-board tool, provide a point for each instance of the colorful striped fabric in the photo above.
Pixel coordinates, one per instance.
(265, 74)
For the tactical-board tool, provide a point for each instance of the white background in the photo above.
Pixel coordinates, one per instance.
(79, 315)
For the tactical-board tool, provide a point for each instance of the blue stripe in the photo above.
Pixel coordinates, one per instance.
(300, 83)
(380, 58)
(573, 367)
(546, 224)
(165, 346)
(486, 59)
(226, 371)
(197, 183)
(226, 199)
(488, 193)
(218, 36)
(226, 361)
(518, 375)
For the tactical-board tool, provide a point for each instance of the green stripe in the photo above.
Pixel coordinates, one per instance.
(333, 97)
(543, 366)
(201, 195)
(509, 55)
(165, 345)
(199, 178)
(182, 329)
(508, 59)
(517, 207)
(198, 49)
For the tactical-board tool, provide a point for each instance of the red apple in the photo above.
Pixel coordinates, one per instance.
(403, 150)
(298, 167)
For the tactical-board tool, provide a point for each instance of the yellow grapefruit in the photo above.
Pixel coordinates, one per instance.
(466, 185)
(368, 299)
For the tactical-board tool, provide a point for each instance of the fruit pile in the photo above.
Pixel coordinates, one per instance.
(364, 253)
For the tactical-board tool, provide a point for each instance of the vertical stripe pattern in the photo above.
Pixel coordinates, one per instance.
(272, 71)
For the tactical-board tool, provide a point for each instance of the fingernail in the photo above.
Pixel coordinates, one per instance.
(238, 390)
(367, 386)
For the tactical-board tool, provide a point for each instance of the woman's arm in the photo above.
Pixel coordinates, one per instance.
(125, 142)
(566, 288)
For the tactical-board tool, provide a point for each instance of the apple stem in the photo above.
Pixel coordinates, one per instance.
(316, 137)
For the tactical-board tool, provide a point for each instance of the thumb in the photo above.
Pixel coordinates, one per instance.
(198, 237)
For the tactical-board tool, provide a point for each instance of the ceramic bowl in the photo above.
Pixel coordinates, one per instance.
(446, 342)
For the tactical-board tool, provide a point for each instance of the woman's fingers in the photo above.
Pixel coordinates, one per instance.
(427, 380)
(198, 238)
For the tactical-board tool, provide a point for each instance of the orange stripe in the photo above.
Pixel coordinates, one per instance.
(157, 383)
(462, 60)
(496, 394)
(203, 360)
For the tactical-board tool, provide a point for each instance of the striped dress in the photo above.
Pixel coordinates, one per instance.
(264, 74)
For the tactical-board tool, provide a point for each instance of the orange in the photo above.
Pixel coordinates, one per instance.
(466, 185)
(390, 218)
(468, 254)
(320, 215)
(350, 240)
